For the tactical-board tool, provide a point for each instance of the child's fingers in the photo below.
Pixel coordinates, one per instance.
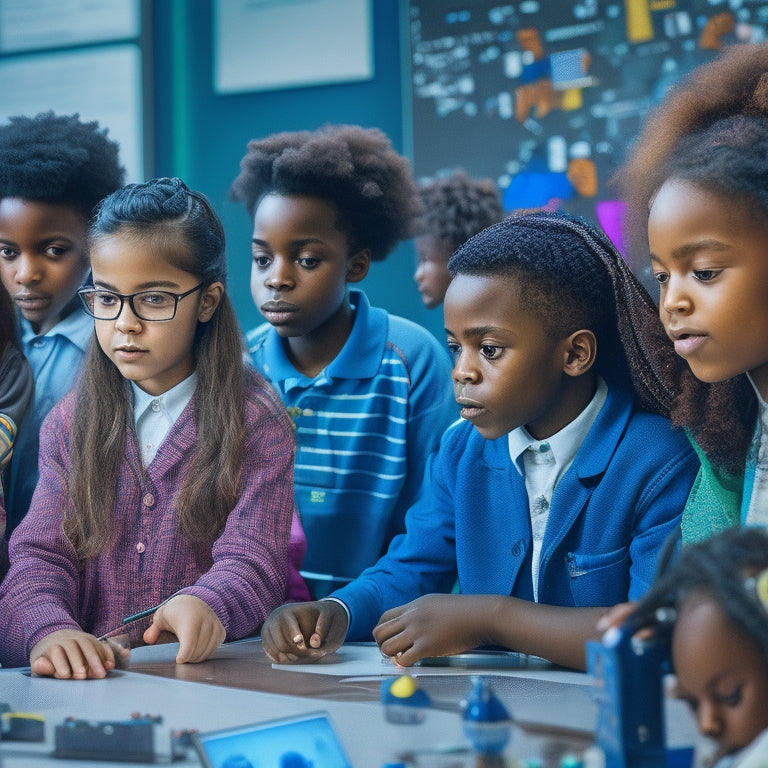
(42, 666)
(69, 661)
(330, 628)
(290, 631)
(199, 643)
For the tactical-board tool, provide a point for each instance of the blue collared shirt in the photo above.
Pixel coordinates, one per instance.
(365, 426)
(56, 358)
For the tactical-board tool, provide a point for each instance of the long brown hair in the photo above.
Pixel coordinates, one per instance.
(169, 213)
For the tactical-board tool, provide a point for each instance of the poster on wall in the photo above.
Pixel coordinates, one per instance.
(545, 98)
(263, 45)
(108, 90)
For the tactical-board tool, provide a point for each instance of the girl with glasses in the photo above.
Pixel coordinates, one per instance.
(166, 474)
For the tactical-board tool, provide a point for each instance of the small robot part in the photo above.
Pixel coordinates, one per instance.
(404, 702)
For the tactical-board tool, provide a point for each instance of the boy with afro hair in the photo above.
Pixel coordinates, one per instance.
(54, 169)
(370, 393)
(455, 208)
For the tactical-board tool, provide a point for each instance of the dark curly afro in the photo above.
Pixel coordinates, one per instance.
(58, 159)
(355, 169)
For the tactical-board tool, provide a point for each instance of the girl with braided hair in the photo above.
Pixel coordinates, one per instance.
(166, 473)
(717, 591)
(552, 496)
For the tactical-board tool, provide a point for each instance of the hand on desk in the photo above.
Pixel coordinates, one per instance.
(434, 625)
(193, 623)
(302, 632)
(71, 654)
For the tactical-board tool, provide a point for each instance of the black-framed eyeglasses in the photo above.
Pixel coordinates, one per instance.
(146, 305)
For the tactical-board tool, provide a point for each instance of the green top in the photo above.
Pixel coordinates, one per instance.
(714, 502)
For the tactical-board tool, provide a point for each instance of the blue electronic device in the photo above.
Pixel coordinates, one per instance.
(628, 675)
(303, 741)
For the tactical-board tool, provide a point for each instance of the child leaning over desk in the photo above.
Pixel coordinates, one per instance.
(701, 201)
(717, 590)
(553, 496)
(369, 392)
(166, 474)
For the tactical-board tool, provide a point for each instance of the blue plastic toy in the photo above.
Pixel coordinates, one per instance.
(404, 702)
(487, 723)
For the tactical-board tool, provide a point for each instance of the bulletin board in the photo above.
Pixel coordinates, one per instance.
(78, 56)
(545, 97)
(265, 45)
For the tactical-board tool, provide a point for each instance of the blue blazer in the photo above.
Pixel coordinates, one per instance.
(610, 514)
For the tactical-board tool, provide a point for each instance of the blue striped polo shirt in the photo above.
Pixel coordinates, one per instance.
(364, 428)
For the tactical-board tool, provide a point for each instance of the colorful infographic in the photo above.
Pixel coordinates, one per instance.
(546, 96)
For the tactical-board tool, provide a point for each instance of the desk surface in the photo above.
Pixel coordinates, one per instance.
(553, 710)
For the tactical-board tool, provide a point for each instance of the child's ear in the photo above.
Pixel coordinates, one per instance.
(358, 265)
(209, 301)
(580, 353)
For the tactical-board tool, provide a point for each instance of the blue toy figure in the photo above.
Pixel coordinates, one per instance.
(487, 723)
(404, 702)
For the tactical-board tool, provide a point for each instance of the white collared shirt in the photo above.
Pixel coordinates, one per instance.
(153, 416)
(544, 462)
(757, 513)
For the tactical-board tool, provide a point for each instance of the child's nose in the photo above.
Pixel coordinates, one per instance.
(28, 271)
(126, 321)
(710, 721)
(464, 371)
(279, 275)
(674, 298)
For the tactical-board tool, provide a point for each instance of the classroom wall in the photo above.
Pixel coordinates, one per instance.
(201, 135)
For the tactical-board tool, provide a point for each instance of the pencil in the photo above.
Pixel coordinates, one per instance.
(140, 614)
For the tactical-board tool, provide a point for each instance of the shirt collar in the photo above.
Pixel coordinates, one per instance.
(565, 443)
(359, 358)
(77, 326)
(174, 401)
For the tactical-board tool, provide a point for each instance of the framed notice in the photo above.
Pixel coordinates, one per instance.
(27, 25)
(101, 83)
(265, 45)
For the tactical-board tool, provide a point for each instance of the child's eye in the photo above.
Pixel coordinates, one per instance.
(55, 251)
(660, 277)
(105, 299)
(260, 260)
(453, 348)
(490, 351)
(705, 275)
(155, 300)
(308, 262)
(730, 698)
(7, 253)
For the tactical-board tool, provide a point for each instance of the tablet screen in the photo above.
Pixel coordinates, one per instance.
(305, 741)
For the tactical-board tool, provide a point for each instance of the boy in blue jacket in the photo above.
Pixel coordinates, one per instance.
(551, 499)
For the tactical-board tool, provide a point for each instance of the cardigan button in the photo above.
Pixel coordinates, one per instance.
(148, 500)
(140, 547)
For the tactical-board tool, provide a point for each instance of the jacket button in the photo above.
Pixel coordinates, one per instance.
(517, 549)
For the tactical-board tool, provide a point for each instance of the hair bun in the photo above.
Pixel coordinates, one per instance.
(171, 193)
